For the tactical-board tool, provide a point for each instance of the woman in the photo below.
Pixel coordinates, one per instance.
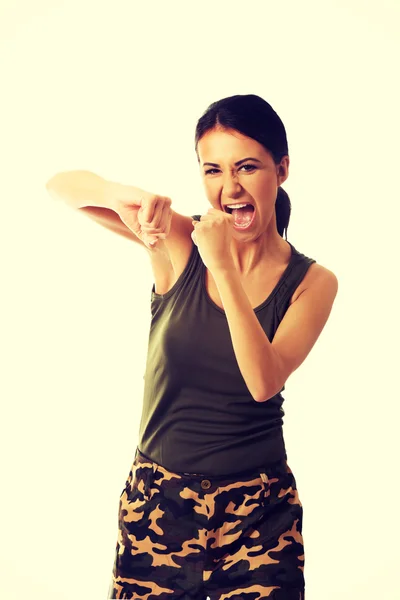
(210, 507)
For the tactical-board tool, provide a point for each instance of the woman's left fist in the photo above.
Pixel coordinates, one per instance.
(213, 235)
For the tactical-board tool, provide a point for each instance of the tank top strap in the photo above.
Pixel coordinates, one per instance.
(295, 275)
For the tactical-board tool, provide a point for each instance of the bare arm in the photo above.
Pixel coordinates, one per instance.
(95, 197)
(99, 199)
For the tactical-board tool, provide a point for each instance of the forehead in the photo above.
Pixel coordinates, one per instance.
(230, 146)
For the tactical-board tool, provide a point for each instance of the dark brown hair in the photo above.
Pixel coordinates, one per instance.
(254, 117)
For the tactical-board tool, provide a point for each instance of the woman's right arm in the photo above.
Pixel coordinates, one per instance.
(103, 200)
(99, 198)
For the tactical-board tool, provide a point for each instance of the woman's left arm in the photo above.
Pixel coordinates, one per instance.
(266, 366)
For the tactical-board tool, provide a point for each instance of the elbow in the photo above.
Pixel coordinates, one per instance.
(267, 393)
(51, 187)
(52, 182)
(263, 397)
(51, 190)
(272, 387)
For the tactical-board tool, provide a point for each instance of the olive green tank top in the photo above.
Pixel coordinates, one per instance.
(198, 415)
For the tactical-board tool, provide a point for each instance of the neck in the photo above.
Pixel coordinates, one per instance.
(267, 252)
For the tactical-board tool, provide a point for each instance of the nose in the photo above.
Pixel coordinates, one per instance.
(231, 187)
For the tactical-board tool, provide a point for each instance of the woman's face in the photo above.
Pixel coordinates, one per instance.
(255, 180)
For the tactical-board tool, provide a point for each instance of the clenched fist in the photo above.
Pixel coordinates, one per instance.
(148, 216)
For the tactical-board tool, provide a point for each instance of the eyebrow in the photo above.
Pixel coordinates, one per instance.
(239, 162)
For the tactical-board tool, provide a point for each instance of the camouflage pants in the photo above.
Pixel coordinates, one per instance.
(191, 537)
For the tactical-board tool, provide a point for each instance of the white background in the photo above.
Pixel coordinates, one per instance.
(116, 88)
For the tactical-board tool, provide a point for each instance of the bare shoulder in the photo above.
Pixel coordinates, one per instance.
(317, 277)
(321, 273)
(320, 278)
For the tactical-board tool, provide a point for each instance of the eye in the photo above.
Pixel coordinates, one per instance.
(248, 165)
(245, 165)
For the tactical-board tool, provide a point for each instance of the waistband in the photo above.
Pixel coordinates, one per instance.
(273, 468)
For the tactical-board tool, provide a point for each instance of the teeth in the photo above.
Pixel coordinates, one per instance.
(236, 205)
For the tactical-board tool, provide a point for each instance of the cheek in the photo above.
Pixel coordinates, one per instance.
(213, 200)
(264, 193)
(211, 190)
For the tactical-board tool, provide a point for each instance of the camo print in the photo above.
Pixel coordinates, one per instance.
(194, 537)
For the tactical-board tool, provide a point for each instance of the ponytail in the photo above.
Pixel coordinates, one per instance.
(282, 211)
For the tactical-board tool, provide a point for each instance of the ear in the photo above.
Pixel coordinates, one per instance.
(283, 170)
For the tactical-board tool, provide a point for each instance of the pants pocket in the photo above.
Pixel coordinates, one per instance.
(282, 505)
(266, 492)
(130, 479)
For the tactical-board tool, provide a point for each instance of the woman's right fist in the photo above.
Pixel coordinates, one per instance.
(148, 217)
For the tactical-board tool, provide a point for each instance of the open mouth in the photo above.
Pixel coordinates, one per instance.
(243, 215)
